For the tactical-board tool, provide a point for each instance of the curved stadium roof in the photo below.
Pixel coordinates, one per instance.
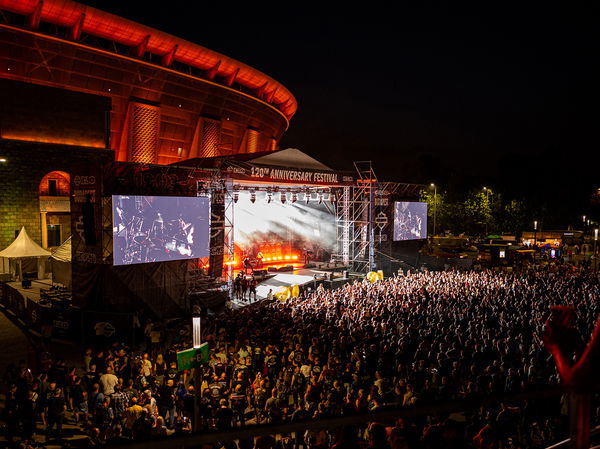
(82, 18)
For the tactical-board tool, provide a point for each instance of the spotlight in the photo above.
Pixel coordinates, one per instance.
(2, 159)
(283, 198)
(253, 196)
(294, 197)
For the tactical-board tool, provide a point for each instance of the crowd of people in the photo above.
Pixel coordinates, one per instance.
(408, 340)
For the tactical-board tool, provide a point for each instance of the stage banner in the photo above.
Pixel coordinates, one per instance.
(36, 315)
(217, 230)
(241, 170)
(139, 179)
(86, 225)
(107, 327)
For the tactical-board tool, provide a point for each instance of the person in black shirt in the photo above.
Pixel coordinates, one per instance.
(239, 403)
(27, 416)
(91, 377)
(172, 373)
(252, 288)
(56, 408)
(165, 399)
(11, 412)
(224, 416)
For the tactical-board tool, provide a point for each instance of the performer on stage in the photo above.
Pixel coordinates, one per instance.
(259, 259)
(248, 266)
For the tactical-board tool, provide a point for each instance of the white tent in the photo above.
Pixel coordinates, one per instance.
(24, 247)
(61, 264)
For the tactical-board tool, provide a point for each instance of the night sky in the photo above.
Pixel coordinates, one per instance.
(502, 96)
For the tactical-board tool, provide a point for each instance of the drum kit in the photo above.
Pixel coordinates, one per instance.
(151, 240)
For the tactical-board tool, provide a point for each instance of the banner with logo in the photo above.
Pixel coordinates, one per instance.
(246, 171)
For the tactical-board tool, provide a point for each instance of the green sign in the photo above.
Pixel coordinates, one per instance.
(192, 358)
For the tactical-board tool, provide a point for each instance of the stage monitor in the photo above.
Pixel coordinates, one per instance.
(159, 228)
(410, 220)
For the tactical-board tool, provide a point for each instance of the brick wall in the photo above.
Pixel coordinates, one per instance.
(20, 177)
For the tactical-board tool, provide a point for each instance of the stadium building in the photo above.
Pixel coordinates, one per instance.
(80, 85)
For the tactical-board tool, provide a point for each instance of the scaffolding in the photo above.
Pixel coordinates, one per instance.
(355, 220)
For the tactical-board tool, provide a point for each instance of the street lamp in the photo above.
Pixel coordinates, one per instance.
(534, 239)
(595, 246)
(487, 203)
(434, 205)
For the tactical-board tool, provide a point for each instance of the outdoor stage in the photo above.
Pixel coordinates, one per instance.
(327, 274)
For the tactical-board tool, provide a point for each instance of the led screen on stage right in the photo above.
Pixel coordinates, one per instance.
(410, 220)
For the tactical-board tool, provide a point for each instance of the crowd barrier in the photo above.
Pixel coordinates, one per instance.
(69, 323)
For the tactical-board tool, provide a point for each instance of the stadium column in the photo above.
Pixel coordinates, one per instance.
(144, 128)
(44, 226)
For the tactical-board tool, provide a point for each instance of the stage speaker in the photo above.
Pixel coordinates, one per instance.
(26, 283)
(89, 228)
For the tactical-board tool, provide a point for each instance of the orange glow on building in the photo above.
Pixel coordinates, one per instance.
(144, 39)
(55, 140)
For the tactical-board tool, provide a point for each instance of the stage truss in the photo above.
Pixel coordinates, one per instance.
(353, 206)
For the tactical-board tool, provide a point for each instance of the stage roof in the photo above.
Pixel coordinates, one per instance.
(290, 157)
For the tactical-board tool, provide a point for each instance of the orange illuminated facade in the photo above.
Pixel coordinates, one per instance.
(171, 100)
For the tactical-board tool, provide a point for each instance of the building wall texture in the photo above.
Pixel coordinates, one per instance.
(20, 177)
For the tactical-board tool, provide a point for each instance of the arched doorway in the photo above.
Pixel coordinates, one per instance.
(55, 208)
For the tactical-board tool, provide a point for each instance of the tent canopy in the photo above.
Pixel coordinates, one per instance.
(23, 247)
(63, 252)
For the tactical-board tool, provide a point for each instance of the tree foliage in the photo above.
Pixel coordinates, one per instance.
(478, 213)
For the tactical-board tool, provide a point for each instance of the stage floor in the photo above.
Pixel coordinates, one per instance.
(32, 293)
(299, 276)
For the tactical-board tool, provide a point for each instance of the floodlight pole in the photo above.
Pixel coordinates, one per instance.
(595, 248)
(434, 206)
(196, 342)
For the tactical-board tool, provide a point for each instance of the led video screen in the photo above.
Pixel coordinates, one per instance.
(159, 228)
(410, 220)
(276, 228)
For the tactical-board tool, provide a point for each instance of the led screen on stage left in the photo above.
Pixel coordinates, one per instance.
(159, 228)
(410, 220)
